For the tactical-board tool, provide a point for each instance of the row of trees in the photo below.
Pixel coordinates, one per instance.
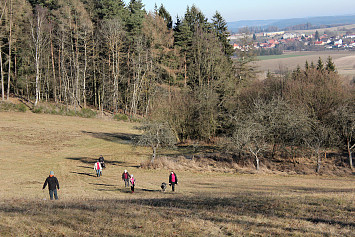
(105, 54)
(299, 113)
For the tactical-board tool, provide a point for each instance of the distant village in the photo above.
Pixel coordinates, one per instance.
(296, 41)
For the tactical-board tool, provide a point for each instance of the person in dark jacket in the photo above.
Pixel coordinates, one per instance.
(102, 162)
(125, 178)
(53, 184)
(173, 180)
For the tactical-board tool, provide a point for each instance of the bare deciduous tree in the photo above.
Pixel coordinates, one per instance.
(344, 121)
(156, 135)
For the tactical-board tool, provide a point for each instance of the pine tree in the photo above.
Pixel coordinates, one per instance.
(166, 16)
(330, 66)
(195, 19)
(320, 65)
(136, 17)
(108, 9)
(221, 29)
(306, 66)
(312, 65)
(183, 40)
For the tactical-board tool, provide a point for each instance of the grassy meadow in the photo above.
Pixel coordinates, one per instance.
(206, 203)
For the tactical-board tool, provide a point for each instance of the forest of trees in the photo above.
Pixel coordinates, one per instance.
(112, 56)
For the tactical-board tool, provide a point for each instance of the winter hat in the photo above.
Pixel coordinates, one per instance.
(51, 173)
(131, 175)
(125, 171)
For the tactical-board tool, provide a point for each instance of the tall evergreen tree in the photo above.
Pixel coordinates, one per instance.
(107, 9)
(330, 66)
(166, 16)
(183, 40)
(221, 29)
(135, 18)
(320, 65)
(195, 19)
(306, 65)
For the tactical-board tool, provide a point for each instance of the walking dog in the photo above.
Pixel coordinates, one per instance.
(163, 187)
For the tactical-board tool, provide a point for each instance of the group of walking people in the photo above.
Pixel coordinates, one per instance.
(129, 180)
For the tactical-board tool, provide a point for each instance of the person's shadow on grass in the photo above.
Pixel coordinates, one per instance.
(83, 173)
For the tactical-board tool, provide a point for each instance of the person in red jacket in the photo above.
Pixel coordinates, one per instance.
(53, 184)
(98, 169)
(173, 180)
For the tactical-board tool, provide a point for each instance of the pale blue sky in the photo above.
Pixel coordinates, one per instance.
(235, 10)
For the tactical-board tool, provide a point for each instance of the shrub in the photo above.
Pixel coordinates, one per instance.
(38, 110)
(120, 117)
(7, 106)
(21, 108)
(87, 113)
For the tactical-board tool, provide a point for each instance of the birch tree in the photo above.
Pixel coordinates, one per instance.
(38, 40)
(113, 31)
(10, 16)
(1, 53)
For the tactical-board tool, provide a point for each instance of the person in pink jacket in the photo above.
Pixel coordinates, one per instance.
(173, 180)
(133, 183)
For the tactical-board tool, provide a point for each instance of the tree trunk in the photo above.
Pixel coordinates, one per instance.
(273, 150)
(85, 69)
(350, 156)
(2, 76)
(257, 162)
(319, 162)
(185, 71)
(15, 71)
(10, 49)
(77, 64)
(53, 70)
(154, 153)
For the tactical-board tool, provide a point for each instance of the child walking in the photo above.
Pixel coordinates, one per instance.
(133, 183)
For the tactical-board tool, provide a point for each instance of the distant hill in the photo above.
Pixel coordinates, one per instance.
(283, 24)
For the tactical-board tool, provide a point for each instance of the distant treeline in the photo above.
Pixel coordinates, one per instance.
(272, 51)
(306, 26)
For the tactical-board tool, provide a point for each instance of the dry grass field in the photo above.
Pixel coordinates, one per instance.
(343, 60)
(206, 203)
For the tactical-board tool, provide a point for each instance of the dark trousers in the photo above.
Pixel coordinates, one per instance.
(51, 192)
(132, 188)
(126, 182)
(173, 187)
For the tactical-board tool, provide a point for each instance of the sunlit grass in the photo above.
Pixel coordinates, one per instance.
(207, 203)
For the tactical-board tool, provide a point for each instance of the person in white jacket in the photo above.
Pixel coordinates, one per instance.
(98, 169)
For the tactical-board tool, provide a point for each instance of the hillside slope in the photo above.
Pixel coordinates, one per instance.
(206, 203)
